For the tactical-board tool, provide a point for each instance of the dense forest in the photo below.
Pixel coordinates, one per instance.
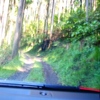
(56, 37)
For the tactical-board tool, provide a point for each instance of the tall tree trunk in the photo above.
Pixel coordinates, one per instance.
(11, 23)
(1, 10)
(90, 5)
(71, 4)
(94, 4)
(87, 9)
(18, 30)
(52, 17)
(81, 4)
(38, 16)
(60, 10)
(46, 19)
(1, 16)
(4, 21)
(66, 6)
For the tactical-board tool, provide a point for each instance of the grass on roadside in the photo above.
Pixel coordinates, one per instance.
(10, 68)
(36, 74)
(74, 66)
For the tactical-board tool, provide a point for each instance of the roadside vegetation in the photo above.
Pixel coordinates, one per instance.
(75, 67)
(10, 68)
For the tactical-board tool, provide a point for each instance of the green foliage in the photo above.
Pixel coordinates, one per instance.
(95, 16)
(75, 67)
(76, 26)
(5, 53)
(56, 43)
(29, 1)
(10, 68)
(56, 19)
(96, 54)
(63, 19)
(30, 34)
(77, 15)
(98, 3)
(35, 50)
(75, 19)
(86, 28)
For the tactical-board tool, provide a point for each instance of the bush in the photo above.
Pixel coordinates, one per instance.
(30, 34)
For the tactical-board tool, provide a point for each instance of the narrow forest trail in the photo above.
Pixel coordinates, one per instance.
(50, 76)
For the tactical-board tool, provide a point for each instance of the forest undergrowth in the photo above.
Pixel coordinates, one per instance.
(74, 65)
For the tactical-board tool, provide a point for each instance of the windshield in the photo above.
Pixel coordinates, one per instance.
(54, 42)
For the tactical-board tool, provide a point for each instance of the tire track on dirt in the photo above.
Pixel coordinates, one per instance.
(21, 75)
(49, 74)
(23, 72)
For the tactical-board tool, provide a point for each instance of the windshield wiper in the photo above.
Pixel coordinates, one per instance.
(19, 84)
(30, 85)
(71, 88)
